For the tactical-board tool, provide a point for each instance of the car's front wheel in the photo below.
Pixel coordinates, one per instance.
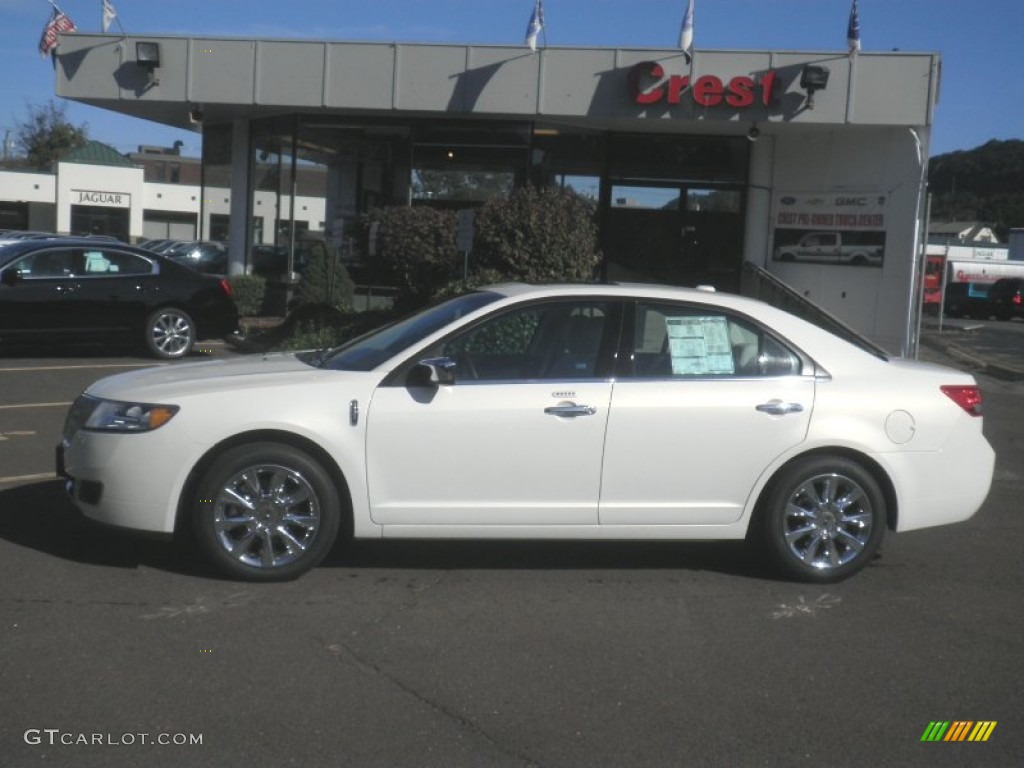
(266, 512)
(170, 333)
(823, 519)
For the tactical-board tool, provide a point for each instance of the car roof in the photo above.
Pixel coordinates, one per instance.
(633, 290)
(10, 249)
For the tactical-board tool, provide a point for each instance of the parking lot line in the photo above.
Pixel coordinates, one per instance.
(20, 369)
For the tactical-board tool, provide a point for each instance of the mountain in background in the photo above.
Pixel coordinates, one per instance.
(981, 184)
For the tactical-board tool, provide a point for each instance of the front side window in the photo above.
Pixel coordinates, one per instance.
(546, 341)
(687, 342)
(59, 262)
(367, 352)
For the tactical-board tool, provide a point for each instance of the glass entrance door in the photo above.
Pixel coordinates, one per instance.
(673, 233)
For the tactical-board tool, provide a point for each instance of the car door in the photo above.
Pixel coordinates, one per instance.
(708, 402)
(114, 289)
(516, 440)
(41, 301)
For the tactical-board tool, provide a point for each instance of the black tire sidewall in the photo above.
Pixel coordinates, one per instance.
(770, 523)
(229, 463)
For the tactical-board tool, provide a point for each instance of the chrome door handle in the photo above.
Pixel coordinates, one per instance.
(570, 410)
(779, 408)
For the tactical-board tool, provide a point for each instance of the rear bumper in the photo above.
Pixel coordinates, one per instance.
(941, 487)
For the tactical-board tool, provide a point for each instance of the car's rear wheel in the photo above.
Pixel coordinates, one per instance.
(266, 512)
(823, 519)
(170, 333)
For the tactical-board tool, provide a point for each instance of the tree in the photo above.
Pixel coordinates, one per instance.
(47, 136)
(981, 184)
(537, 236)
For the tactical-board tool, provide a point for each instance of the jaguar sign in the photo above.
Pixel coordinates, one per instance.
(106, 199)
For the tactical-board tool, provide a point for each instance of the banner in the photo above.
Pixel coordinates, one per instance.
(845, 228)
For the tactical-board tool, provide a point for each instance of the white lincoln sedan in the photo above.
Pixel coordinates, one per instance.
(582, 412)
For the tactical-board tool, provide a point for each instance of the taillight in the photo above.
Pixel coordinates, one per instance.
(1016, 299)
(226, 287)
(967, 397)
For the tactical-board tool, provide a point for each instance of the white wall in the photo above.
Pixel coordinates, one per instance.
(73, 178)
(27, 187)
(879, 161)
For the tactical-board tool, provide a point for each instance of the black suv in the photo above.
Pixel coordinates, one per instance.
(1006, 298)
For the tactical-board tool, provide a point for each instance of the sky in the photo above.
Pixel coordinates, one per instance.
(982, 88)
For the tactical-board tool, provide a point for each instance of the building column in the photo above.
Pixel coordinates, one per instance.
(241, 198)
(759, 201)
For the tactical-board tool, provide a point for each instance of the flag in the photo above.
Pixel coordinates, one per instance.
(533, 29)
(109, 14)
(59, 22)
(686, 33)
(853, 29)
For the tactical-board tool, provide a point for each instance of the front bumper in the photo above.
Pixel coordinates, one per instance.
(128, 481)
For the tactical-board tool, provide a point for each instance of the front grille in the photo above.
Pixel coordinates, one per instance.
(78, 415)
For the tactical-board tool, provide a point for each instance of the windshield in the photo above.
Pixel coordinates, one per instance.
(369, 351)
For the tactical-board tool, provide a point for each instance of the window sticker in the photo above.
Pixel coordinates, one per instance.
(699, 345)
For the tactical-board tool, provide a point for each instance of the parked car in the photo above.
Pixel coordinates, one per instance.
(71, 289)
(156, 244)
(966, 300)
(206, 256)
(1006, 298)
(527, 412)
(161, 246)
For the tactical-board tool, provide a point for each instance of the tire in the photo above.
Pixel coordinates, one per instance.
(266, 512)
(170, 333)
(823, 519)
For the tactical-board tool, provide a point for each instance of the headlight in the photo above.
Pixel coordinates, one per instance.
(114, 416)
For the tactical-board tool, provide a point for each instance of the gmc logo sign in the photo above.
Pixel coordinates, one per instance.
(648, 85)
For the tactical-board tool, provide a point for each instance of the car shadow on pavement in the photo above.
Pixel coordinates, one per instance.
(731, 558)
(39, 516)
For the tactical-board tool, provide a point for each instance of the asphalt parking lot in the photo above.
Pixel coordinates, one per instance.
(493, 654)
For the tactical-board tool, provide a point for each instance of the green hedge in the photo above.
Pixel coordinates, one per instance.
(248, 292)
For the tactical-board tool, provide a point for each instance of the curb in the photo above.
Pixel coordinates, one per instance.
(987, 367)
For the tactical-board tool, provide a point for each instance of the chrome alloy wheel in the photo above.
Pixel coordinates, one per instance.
(827, 521)
(171, 333)
(266, 516)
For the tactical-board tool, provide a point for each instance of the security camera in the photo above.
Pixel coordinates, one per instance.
(754, 133)
(195, 115)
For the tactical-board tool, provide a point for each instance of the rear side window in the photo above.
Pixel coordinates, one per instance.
(689, 342)
(108, 262)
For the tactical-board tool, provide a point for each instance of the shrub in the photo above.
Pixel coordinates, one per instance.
(416, 251)
(248, 292)
(314, 326)
(538, 236)
(325, 279)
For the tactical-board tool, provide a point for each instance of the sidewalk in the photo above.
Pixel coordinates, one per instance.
(983, 347)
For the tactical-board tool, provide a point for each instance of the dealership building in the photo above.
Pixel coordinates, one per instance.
(809, 166)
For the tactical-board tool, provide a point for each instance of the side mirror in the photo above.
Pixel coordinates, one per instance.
(10, 276)
(436, 371)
